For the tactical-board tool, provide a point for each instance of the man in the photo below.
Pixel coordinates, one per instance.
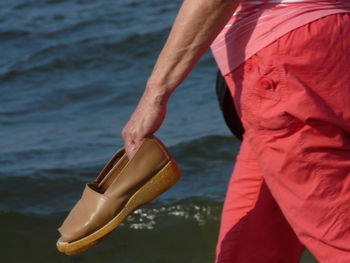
(286, 64)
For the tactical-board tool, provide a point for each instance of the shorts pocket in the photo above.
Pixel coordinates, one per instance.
(263, 96)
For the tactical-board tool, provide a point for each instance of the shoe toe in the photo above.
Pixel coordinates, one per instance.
(90, 213)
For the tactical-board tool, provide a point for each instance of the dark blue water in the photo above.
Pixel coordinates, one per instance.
(71, 73)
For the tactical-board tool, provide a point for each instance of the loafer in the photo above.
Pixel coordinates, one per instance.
(122, 186)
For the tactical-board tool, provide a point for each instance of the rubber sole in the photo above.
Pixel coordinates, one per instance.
(157, 185)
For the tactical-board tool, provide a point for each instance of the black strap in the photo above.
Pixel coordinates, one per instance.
(227, 107)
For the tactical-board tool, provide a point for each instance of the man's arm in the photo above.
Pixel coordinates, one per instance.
(196, 26)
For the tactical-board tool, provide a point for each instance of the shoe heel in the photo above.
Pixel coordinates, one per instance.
(161, 182)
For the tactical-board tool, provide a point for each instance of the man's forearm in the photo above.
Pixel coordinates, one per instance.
(197, 24)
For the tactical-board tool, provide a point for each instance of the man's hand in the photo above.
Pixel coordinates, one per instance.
(146, 120)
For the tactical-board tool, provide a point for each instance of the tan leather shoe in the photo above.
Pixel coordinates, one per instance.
(122, 186)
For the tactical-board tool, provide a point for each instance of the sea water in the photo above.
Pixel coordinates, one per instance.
(71, 73)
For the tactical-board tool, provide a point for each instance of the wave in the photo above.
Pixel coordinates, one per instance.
(176, 233)
(87, 53)
(8, 35)
(33, 187)
(217, 149)
(200, 210)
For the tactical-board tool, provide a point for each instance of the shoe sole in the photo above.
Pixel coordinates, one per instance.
(157, 185)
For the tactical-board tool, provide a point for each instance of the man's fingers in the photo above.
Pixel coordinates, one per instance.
(131, 144)
(131, 148)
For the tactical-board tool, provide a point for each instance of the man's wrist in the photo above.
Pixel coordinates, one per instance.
(158, 93)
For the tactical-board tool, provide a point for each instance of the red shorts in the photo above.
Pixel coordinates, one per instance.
(291, 183)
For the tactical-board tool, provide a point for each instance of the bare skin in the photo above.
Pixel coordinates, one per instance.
(196, 26)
